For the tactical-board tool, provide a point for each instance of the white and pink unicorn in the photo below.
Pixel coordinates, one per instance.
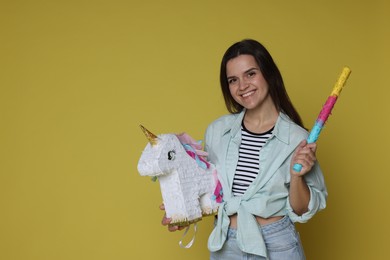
(188, 183)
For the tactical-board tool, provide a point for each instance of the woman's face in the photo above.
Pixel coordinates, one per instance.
(246, 83)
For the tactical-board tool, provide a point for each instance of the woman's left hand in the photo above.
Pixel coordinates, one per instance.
(305, 154)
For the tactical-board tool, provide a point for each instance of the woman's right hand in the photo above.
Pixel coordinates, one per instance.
(166, 221)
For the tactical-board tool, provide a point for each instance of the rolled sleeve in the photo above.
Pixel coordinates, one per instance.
(318, 196)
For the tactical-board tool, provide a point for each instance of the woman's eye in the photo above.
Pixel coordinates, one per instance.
(251, 74)
(231, 81)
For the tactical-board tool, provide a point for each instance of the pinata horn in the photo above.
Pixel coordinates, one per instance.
(151, 137)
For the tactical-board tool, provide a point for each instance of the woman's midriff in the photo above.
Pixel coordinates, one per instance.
(260, 220)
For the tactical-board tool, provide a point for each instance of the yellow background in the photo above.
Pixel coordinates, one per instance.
(78, 77)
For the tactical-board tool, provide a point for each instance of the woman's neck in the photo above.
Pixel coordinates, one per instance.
(260, 121)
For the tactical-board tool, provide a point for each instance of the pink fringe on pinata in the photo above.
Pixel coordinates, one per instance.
(194, 149)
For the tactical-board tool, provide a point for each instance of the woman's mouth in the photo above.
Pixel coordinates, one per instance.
(247, 94)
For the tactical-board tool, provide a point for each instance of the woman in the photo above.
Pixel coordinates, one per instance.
(254, 149)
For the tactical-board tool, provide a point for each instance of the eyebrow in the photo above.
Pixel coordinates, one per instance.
(248, 70)
(253, 68)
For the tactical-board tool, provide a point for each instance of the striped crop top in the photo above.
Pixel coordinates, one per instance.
(248, 160)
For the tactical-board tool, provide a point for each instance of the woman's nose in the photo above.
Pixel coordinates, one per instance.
(244, 84)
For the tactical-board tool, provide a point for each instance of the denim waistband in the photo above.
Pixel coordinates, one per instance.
(266, 229)
(276, 226)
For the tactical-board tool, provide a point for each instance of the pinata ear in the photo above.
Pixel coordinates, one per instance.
(153, 139)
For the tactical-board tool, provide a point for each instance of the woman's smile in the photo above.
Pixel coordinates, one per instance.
(247, 94)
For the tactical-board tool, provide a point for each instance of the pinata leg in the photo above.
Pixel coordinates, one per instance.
(206, 204)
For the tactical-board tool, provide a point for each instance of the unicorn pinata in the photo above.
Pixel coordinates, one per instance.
(189, 184)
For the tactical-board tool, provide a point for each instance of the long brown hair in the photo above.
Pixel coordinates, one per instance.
(270, 73)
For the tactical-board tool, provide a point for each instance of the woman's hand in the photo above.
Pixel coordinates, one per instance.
(166, 221)
(305, 154)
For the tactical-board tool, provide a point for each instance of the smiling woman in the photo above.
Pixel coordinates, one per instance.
(250, 90)
(253, 149)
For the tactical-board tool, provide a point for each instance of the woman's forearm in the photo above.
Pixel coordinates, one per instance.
(299, 195)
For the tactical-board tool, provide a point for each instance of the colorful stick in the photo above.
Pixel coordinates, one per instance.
(326, 111)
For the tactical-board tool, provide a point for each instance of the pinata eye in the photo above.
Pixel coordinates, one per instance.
(171, 155)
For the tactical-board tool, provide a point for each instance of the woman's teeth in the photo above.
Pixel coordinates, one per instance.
(248, 94)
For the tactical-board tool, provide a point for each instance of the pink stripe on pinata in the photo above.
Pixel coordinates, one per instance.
(326, 109)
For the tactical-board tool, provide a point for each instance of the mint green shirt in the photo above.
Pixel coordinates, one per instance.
(268, 195)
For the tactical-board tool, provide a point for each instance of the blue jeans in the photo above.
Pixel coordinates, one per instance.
(281, 239)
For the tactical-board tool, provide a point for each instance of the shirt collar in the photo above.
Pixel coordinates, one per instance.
(281, 130)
